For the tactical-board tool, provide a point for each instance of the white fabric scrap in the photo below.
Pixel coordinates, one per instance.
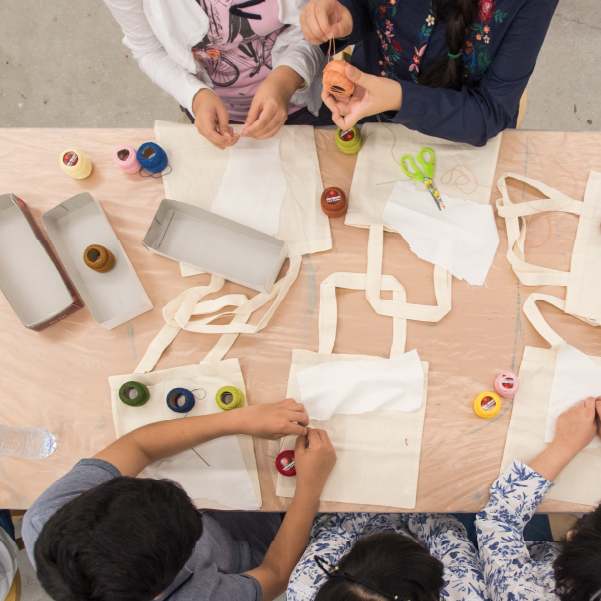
(576, 378)
(462, 238)
(253, 186)
(354, 387)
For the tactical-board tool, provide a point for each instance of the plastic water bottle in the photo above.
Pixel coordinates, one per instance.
(31, 443)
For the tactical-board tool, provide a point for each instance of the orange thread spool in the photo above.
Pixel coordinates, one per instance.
(335, 81)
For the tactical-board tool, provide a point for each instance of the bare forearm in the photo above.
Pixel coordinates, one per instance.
(289, 544)
(143, 446)
(551, 462)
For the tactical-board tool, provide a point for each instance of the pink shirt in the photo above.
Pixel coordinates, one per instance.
(236, 52)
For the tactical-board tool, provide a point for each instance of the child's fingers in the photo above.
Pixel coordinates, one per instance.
(300, 417)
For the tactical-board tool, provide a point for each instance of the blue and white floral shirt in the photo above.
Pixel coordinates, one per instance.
(333, 535)
(515, 570)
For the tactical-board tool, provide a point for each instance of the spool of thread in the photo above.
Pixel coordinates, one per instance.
(126, 159)
(334, 202)
(229, 397)
(98, 258)
(285, 463)
(487, 405)
(75, 163)
(152, 157)
(349, 140)
(180, 400)
(335, 80)
(507, 384)
(133, 394)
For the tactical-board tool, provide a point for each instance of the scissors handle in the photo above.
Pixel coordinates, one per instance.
(429, 164)
(415, 172)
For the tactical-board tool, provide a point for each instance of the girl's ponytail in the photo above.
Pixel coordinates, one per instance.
(449, 73)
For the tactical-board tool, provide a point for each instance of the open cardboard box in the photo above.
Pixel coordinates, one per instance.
(215, 244)
(113, 297)
(34, 282)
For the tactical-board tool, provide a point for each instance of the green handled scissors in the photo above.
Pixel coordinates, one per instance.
(424, 176)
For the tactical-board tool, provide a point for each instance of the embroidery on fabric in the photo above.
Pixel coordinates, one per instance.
(476, 52)
(389, 47)
(424, 35)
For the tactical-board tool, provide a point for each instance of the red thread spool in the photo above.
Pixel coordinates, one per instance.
(285, 463)
(334, 202)
(507, 384)
(335, 81)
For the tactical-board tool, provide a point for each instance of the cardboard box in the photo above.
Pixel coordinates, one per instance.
(113, 297)
(215, 244)
(31, 276)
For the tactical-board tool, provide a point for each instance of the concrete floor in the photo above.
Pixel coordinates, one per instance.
(62, 64)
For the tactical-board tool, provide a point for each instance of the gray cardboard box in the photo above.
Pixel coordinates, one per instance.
(113, 297)
(31, 276)
(215, 244)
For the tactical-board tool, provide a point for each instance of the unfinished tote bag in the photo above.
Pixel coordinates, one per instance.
(219, 474)
(583, 281)
(461, 170)
(371, 445)
(532, 409)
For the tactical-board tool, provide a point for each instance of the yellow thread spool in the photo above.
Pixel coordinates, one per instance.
(348, 141)
(75, 163)
(487, 405)
(229, 397)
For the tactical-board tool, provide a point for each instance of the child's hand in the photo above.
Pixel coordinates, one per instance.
(271, 420)
(212, 119)
(372, 95)
(322, 20)
(314, 459)
(577, 426)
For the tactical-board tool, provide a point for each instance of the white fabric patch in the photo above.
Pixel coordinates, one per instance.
(462, 238)
(253, 187)
(354, 387)
(576, 378)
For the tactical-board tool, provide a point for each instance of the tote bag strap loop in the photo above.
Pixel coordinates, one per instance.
(527, 273)
(328, 310)
(402, 309)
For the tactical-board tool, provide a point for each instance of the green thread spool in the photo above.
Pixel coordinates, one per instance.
(229, 397)
(348, 141)
(133, 394)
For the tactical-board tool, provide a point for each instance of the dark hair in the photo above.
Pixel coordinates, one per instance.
(124, 540)
(449, 73)
(382, 567)
(578, 565)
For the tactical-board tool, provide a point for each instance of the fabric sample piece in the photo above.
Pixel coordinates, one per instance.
(354, 387)
(253, 187)
(576, 378)
(462, 238)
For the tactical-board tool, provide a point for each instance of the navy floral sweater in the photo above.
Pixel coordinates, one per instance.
(399, 38)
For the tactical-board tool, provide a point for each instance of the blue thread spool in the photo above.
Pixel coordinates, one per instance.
(174, 399)
(152, 157)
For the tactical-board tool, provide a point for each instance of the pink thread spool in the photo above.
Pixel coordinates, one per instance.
(125, 157)
(507, 384)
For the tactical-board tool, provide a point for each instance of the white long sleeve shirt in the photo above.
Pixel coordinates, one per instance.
(161, 34)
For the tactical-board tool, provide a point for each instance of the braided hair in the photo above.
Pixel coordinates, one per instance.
(449, 73)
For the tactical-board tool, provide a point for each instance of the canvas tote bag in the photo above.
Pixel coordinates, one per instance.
(578, 482)
(377, 452)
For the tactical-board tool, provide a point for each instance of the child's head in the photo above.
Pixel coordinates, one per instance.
(384, 567)
(578, 566)
(125, 540)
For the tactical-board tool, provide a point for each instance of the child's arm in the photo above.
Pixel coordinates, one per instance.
(131, 453)
(314, 463)
(514, 498)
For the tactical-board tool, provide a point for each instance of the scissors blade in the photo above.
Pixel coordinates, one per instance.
(434, 192)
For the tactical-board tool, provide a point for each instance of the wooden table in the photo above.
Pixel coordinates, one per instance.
(58, 378)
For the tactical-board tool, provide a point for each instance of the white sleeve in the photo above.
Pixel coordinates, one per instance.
(151, 56)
